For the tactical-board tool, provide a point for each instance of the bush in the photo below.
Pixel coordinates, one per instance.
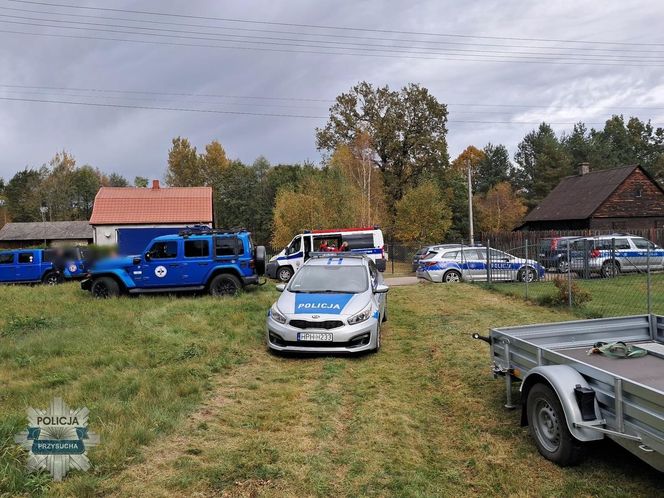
(561, 298)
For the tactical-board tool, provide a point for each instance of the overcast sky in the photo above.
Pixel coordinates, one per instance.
(134, 141)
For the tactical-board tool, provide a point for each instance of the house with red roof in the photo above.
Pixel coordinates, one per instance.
(118, 209)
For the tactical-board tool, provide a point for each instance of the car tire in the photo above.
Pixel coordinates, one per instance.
(224, 284)
(104, 288)
(548, 427)
(51, 278)
(523, 272)
(452, 277)
(610, 269)
(563, 266)
(284, 274)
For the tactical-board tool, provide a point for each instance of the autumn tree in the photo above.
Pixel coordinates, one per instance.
(423, 215)
(471, 157)
(57, 186)
(183, 165)
(322, 200)
(354, 162)
(22, 194)
(499, 209)
(406, 128)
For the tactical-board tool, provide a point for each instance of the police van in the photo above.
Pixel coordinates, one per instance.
(368, 240)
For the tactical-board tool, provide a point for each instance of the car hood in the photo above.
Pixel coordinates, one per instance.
(111, 263)
(305, 304)
(278, 255)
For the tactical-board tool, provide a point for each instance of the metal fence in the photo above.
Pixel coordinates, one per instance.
(596, 277)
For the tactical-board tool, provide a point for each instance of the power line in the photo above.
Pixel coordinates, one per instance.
(304, 99)
(215, 111)
(326, 35)
(343, 45)
(331, 27)
(408, 55)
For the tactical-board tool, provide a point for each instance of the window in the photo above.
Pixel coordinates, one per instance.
(294, 246)
(164, 250)
(6, 258)
(621, 244)
(643, 244)
(451, 255)
(373, 271)
(25, 258)
(227, 246)
(474, 255)
(359, 240)
(638, 192)
(498, 255)
(196, 248)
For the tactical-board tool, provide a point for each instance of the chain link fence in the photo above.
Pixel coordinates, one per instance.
(600, 276)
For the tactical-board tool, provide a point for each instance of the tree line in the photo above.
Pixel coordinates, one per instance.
(385, 162)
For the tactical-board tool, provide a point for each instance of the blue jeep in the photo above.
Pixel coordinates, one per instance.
(220, 262)
(28, 266)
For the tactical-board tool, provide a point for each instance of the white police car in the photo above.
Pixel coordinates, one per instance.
(472, 264)
(333, 303)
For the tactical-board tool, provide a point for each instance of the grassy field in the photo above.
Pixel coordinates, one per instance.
(620, 296)
(188, 402)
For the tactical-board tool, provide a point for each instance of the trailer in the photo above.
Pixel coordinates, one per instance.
(570, 397)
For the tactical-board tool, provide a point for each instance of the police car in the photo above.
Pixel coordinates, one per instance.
(334, 303)
(368, 240)
(610, 255)
(470, 264)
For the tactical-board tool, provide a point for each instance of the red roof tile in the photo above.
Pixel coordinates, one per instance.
(129, 205)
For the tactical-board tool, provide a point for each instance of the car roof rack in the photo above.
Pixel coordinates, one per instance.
(206, 230)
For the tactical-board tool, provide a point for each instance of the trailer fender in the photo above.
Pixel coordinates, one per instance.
(562, 379)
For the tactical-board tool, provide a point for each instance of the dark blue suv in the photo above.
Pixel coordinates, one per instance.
(220, 262)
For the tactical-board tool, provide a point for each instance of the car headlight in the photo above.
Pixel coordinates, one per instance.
(276, 315)
(362, 316)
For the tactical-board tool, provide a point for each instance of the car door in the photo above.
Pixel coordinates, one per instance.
(7, 267)
(162, 267)
(196, 264)
(379, 298)
(474, 264)
(648, 254)
(27, 266)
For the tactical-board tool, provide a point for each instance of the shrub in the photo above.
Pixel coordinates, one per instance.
(561, 298)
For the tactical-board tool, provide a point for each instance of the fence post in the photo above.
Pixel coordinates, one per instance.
(526, 275)
(613, 258)
(569, 278)
(648, 282)
(488, 261)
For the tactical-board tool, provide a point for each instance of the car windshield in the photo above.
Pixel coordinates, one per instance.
(347, 279)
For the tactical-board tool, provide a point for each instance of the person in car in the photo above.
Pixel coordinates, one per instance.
(343, 247)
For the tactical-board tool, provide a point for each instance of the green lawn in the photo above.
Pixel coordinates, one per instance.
(620, 296)
(188, 401)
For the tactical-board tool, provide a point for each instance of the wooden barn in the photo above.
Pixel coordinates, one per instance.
(626, 198)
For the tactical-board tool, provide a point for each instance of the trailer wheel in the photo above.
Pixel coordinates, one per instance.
(548, 426)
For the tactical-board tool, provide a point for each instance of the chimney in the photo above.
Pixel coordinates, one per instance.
(584, 169)
(155, 184)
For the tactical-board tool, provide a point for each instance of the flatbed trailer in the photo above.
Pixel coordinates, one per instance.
(569, 397)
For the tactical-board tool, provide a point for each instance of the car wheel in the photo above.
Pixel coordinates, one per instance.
(526, 274)
(51, 278)
(285, 273)
(563, 266)
(225, 285)
(548, 426)
(610, 269)
(452, 277)
(104, 288)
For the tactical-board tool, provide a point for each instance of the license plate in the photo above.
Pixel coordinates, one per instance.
(314, 336)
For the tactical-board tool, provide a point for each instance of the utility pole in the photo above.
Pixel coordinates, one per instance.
(470, 206)
(43, 210)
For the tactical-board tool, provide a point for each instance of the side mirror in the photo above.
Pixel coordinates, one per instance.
(147, 256)
(281, 287)
(381, 289)
(137, 260)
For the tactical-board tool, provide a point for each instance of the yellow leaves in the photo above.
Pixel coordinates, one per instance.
(499, 209)
(423, 215)
(471, 156)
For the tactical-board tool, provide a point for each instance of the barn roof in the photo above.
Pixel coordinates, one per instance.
(578, 197)
(50, 230)
(131, 205)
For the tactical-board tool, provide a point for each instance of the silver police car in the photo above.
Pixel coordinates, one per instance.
(333, 303)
